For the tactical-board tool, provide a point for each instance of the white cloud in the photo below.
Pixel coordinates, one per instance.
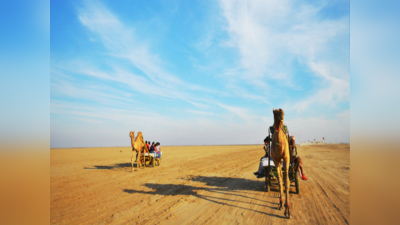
(122, 42)
(269, 35)
(96, 93)
(332, 90)
(239, 111)
(201, 112)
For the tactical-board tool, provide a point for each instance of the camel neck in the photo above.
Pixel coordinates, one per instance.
(132, 141)
(278, 139)
(277, 125)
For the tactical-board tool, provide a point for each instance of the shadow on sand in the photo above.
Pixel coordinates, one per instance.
(112, 167)
(219, 185)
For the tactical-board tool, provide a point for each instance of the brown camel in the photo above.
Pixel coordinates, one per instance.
(138, 146)
(280, 151)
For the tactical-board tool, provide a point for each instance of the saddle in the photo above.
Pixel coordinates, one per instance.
(284, 129)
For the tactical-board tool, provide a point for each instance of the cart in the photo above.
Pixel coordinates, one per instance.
(271, 174)
(150, 159)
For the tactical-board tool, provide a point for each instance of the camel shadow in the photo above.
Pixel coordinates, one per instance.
(237, 183)
(219, 185)
(112, 167)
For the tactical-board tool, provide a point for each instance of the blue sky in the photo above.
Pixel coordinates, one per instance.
(24, 71)
(197, 72)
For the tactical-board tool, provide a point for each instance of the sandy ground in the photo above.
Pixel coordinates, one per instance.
(194, 185)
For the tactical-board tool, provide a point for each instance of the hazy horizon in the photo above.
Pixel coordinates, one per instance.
(183, 145)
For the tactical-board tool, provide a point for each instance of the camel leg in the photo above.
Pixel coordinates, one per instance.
(287, 186)
(133, 152)
(142, 160)
(139, 162)
(279, 173)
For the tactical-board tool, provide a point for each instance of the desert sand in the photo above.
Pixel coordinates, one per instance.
(194, 185)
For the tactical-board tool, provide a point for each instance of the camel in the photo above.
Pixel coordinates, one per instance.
(138, 146)
(280, 151)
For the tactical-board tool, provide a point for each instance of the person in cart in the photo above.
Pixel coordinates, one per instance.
(296, 158)
(262, 169)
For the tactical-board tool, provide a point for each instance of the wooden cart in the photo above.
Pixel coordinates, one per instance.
(150, 159)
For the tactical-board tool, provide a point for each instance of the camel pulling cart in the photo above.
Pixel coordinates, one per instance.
(271, 175)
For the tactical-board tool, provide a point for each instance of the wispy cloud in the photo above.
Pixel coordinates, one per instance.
(239, 111)
(202, 80)
(201, 112)
(332, 90)
(122, 42)
(270, 35)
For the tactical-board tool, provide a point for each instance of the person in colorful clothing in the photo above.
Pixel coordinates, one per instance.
(295, 158)
(148, 145)
(152, 148)
(158, 150)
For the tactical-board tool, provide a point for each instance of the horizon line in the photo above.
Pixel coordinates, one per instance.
(192, 145)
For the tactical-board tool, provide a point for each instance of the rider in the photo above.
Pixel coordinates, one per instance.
(261, 169)
(292, 141)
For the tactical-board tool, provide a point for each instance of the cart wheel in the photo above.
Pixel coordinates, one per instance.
(143, 160)
(158, 162)
(296, 182)
(267, 181)
(153, 161)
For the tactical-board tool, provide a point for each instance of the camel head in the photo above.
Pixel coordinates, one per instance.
(279, 116)
(132, 134)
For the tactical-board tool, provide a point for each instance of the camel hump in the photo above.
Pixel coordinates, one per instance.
(139, 136)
